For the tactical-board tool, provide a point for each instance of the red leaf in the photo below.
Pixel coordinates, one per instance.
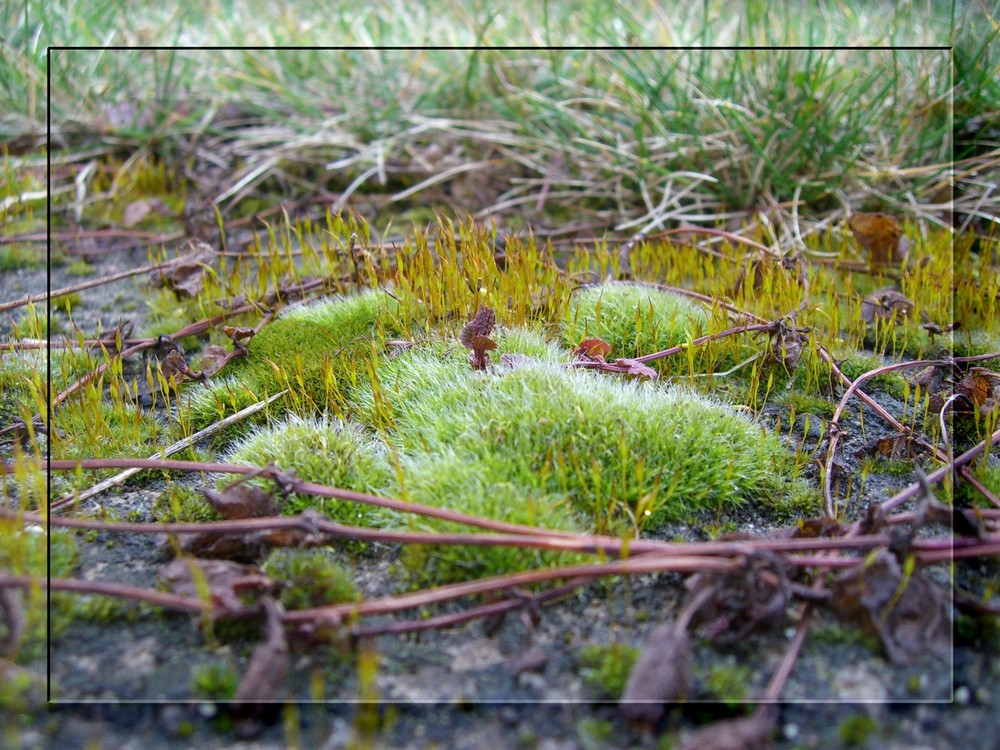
(593, 348)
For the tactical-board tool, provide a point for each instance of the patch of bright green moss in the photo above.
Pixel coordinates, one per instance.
(634, 320)
(606, 445)
(317, 351)
(324, 451)
(563, 448)
(606, 667)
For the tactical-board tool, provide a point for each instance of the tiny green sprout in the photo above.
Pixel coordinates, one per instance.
(214, 681)
(606, 667)
(309, 578)
(856, 730)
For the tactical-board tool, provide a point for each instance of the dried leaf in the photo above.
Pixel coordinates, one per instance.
(593, 348)
(135, 212)
(480, 325)
(12, 622)
(219, 545)
(892, 447)
(751, 732)
(662, 674)
(475, 335)
(786, 346)
(739, 601)
(908, 613)
(213, 359)
(111, 340)
(225, 579)
(238, 334)
(174, 366)
(241, 500)
(632, 367)
(977, 388)
(885, 305)
(882, 236)
(930, 379)
(269, 663)
(185, 277)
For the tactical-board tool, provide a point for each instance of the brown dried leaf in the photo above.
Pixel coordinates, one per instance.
(269, 663)
(225, 579)
(751, 732)
(886, 304)
(111, 340)
(12, 622)
(908, 613)
(661, 675)
(213, 359)
(930, 379)
(174, 366)
(882, 236)
(632, 367)
(227, 546)
(892, 447)
(241, 500)
(978, 387)
(135, 212)
(238, 334)
(481, 325)
(185, 277)
(593, 348)
(741, 600)
(786, 346)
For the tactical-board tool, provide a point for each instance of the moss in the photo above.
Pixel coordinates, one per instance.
(606, 668)
(855, 730)
(216, 682)
(21, 257)
(80, 268)
(634, 320)
(608, 446)
(728, 682)
(324, 451)
(316, 351)
(181, 504)
(558, 447)
(309, 578)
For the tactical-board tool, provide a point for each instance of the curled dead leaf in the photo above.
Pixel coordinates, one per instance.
(751, 732)
(907, 612)
(594, 348)
(223, 580)
(977, 388)
(886, 305)
(786, 346)
(736, 602)
(241, 500)
(269, 663)
(882, 237)
(636, 368)
(12, 621)
(185, 276)
(662, 674)
(475, 335)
